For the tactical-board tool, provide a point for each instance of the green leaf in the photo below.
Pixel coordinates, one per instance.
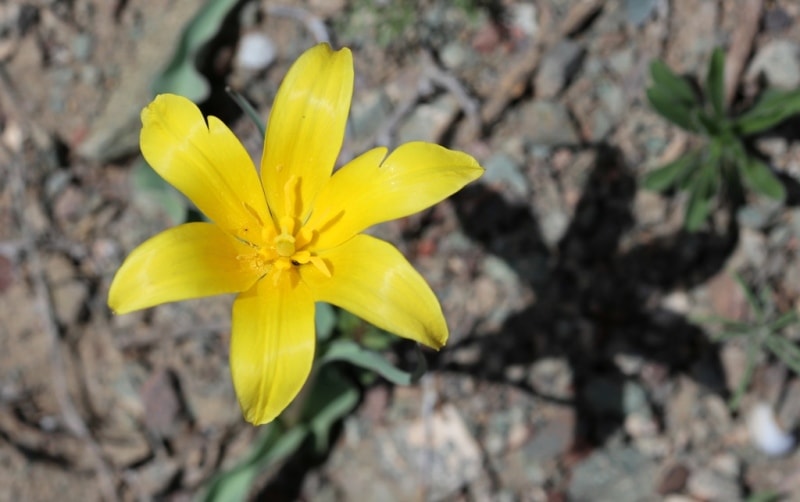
(331, 398)
(180, 75)
(701, 194)
(752, 301)
(760, 178)
(708, 125)
(678, 113)
(785, 350)
(672, 85)
(772, 108)
(785, 320)
(325, 320)
(764, 497)
(728, 335)
(715, 83)
(671, 174)
(150, 192)
(351, 352)
(248, 110)
(274, 445)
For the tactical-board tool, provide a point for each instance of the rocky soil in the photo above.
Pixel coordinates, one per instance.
(578, 367)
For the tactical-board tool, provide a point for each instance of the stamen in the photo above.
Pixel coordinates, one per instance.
(320, 264)
(304, 237)
(287, 225)
(301, 257)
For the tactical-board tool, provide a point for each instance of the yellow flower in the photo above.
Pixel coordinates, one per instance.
(292, 237)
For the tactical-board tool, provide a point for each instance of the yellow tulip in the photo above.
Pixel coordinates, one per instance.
(291, 236)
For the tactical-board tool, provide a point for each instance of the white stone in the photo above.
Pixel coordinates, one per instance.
(255, 52)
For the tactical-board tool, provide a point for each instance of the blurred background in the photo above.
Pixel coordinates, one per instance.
(608, 342)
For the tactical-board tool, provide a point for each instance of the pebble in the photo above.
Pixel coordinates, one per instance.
(428, 122)
(70, 301)
(551, 376)
(706, 484)
(255, 52)
(621, 474)
(558, 66)
(453, 55)
(766, 434)
(779, 62)
(546, 123)
(673, 479)
(503, 170)
(82, 46)
(525, 18)
(370, 112)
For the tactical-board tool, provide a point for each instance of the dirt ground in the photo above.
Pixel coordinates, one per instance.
(577, 367)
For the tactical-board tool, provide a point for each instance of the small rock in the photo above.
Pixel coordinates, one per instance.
(734, 364)
(649, 208)
(779, 62)
(622, 61)
(70, 205)
(677, 301)
(515, 373)
(154, 477)
(553, 437)
(6, 273)
(524, 17)
(628, 364)
(726, 464)
(255, 52)
(546, 123)
(454, 55)
(634, 399)
(163, 405)
(612, 98)
(777, 19)
(551, 377)
(436, 452)
(673, 479)
(70, 300)
(503, 170)
(640, 426)
(750, 252)
(82, 46)
(554, 225)
(621, 474)
(370, 112)
(639, 11)
(557, 67)
(766, 433)
(428, 122)
(706, 484)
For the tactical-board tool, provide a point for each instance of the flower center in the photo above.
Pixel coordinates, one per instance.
(286, 250)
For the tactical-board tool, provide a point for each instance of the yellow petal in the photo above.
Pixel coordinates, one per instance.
(370, 190)
(372, 279)
(187, 261)
(204, 161)
(272, 345)
(306, 129)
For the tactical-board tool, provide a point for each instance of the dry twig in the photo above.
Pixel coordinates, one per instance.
(747, 27)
